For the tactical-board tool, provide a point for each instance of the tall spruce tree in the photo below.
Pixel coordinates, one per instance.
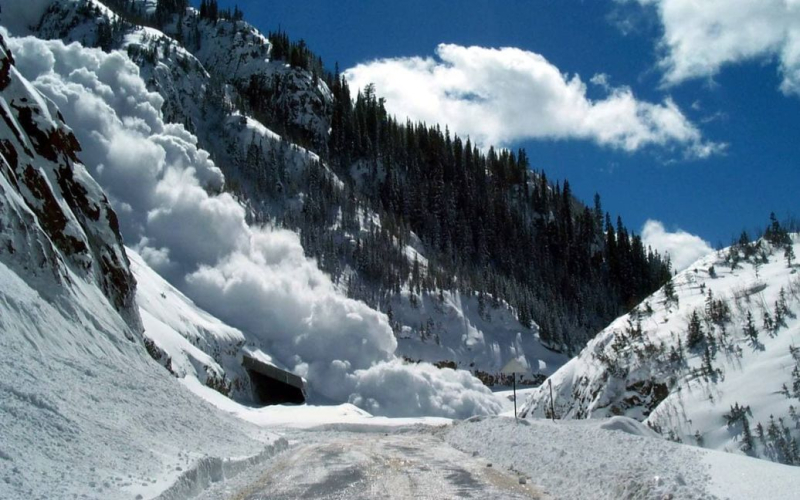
(695, 335)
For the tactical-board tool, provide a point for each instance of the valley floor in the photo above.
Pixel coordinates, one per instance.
(358, 456)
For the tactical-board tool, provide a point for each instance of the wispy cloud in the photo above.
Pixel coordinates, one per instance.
(701, 37)
(500, 96)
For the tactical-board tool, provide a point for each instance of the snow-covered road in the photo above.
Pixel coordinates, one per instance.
(402, 463)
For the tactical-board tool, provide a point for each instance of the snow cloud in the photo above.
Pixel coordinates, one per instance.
(499, 96)
(682, 247)
(702, 37)
(258, 279)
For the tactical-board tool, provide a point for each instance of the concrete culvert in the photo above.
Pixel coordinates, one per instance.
(272, 385)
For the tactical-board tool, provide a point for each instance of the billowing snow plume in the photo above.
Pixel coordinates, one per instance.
(257, 279)
(683, 248)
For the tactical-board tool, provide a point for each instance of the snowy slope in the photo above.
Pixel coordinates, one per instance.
(209, 53)
(84, 410)
(618, 458)
(644, 366)
(449, 329)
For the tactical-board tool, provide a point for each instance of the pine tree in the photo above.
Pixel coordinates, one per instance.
(695, 332)
(708, 368)
(669, 293)
(780, 315)
(748, 445)
(760, 433)
(775, 233)
(788, 254)
(698, 438)
(750, 328)
(769, 324)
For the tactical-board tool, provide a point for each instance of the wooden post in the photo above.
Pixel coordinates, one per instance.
(552, 407)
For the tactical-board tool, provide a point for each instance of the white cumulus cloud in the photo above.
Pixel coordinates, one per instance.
(499, 96)
(683, 248)
(700, 37)
(258, 279)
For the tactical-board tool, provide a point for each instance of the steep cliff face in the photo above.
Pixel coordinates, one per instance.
(53, 215)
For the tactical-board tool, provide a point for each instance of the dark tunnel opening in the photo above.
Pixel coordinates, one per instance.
(269, 391)
(272, 385)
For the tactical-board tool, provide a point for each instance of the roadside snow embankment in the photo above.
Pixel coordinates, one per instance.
(585, 459)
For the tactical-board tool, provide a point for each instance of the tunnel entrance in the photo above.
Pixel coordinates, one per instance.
(273, 386)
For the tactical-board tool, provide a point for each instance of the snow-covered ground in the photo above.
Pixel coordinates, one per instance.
(84, 411)
(618, 458)
(400, 463)
(498, 457)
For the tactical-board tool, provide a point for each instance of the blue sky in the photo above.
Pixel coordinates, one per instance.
(726, 97)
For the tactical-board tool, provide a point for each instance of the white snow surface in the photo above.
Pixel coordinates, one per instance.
(693, 402)
(306, 416)
(450, 326)
(84, 411)
(593, 459)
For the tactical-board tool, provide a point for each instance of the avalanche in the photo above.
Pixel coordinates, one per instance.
(199, 69)
(256, 279)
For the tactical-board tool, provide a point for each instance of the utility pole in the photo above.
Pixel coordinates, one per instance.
(512, 368)
(515, 396)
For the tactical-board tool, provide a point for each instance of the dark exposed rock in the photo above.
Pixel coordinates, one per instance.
(66, 221)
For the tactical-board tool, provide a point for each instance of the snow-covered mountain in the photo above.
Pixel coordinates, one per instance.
(86, 409)
(221, 61)
(174, 213)
(712, 359)
(149, 241)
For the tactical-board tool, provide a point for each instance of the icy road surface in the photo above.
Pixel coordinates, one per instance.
(405, 463)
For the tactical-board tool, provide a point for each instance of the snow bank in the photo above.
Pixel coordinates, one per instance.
(210, 470)
(86, 412)
(256, 279)
(343, 416)
(628, 426)
(582, 459)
